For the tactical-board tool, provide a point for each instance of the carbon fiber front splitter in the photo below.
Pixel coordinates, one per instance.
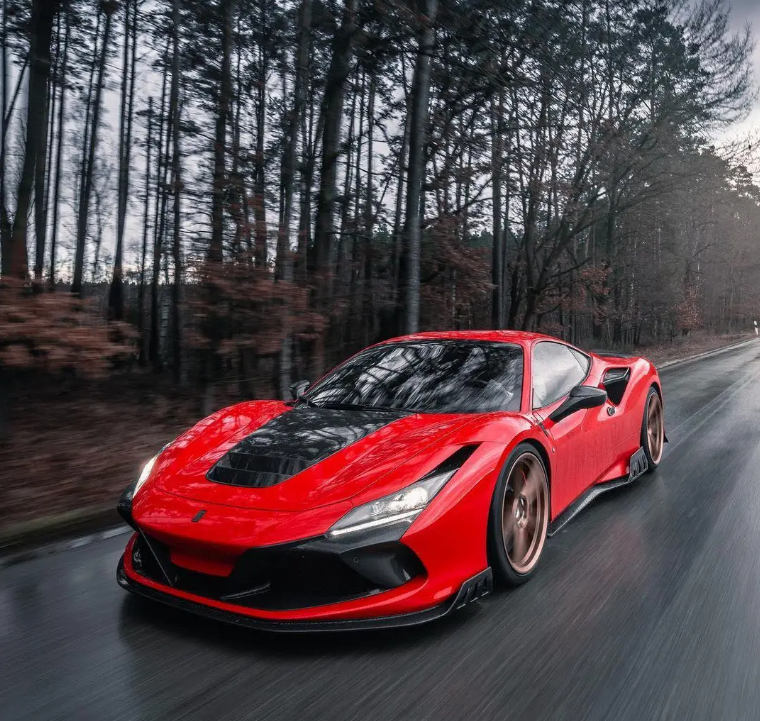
(471, 590)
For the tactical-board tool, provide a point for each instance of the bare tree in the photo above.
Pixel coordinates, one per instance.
(116, 293)
(88, 162)
(15, 261)
(420, 101)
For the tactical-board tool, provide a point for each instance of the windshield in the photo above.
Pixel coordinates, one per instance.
(427, 376)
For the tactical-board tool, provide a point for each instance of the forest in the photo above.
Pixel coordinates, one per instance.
(247, 191)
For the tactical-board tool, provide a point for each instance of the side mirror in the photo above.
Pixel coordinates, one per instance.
(298, 388)
(580, 397)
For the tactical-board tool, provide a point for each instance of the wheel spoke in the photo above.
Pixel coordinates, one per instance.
(532, 484)
(530, 526)
(518, 483)
(520, 545)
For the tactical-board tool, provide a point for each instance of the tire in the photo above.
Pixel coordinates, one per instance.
(653, 429)
(518, 522)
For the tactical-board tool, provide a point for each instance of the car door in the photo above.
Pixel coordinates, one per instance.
(576, 453)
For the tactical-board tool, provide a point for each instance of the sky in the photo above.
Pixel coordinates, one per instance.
(742, 12)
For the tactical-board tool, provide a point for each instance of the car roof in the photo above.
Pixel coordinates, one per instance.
(498, 336)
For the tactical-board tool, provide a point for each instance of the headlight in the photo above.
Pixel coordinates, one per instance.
(403, 506)
(145, 473)
(124, 506)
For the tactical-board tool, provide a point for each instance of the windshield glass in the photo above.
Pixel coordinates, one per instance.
(428, 376)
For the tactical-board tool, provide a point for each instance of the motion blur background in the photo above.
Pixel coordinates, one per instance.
(203, 201)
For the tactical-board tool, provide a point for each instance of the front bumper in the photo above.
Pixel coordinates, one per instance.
(218, 559)
(296, 577)
(472, 590)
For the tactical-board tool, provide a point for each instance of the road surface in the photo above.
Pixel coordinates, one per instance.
(647, 606)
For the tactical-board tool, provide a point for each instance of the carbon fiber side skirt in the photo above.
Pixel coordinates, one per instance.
(638, 465)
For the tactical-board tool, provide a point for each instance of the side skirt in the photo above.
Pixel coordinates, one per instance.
(638, 465)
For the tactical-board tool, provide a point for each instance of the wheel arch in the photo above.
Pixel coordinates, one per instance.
(544, 456)
(656, 385)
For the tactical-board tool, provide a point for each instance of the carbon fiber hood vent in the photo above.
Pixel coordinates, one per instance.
(294, 441)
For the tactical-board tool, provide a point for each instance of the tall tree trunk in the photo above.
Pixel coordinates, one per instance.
(497, 259)
(284, 251)
(288, 172)
(116, 293)
(88, 119)
(212, 328)
(332, 110)
(259, 200)
(344, 207)
(97, 192)
(398, 236)
(15, 261)
(143, 256)
(4, 225)
(215, 250)
(305, 253)
(154, 346)
(368, 313)
(346, 292)
(41, 165)
(174, 123)
(420, 98)
(50, 159)
(86, 188)
(325, 243)
(59, 150)
(237, 179)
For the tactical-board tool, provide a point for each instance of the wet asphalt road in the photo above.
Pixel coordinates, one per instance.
(647, 606)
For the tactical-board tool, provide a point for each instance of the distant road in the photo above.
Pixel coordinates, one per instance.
(647, 606)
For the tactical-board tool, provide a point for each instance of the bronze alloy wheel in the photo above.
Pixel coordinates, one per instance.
(525, 513)
(655, 428)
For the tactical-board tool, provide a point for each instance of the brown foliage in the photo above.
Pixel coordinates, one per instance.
(249, 310)
(456, 279)
(53, 332)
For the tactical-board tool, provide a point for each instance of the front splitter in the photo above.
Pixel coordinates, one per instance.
(471, 590)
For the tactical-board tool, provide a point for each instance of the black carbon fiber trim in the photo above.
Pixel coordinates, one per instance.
(294, 441)
(637, 468)
(471, 590)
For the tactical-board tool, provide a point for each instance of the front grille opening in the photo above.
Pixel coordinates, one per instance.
(284, 577)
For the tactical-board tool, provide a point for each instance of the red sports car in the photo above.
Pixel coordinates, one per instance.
(395, 489)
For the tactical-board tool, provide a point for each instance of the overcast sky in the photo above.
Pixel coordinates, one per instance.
(742, 12)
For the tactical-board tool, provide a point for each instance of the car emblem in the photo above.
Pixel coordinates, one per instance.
(199, 515)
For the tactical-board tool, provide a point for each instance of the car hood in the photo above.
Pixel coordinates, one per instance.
(271, 456)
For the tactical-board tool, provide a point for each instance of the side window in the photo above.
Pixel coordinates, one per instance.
(556, 370)
(583, 360)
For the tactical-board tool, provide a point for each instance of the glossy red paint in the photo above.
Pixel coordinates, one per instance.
(338, 478)
(449, 536)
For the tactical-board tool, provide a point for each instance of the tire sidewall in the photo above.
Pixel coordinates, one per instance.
(504, 574)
